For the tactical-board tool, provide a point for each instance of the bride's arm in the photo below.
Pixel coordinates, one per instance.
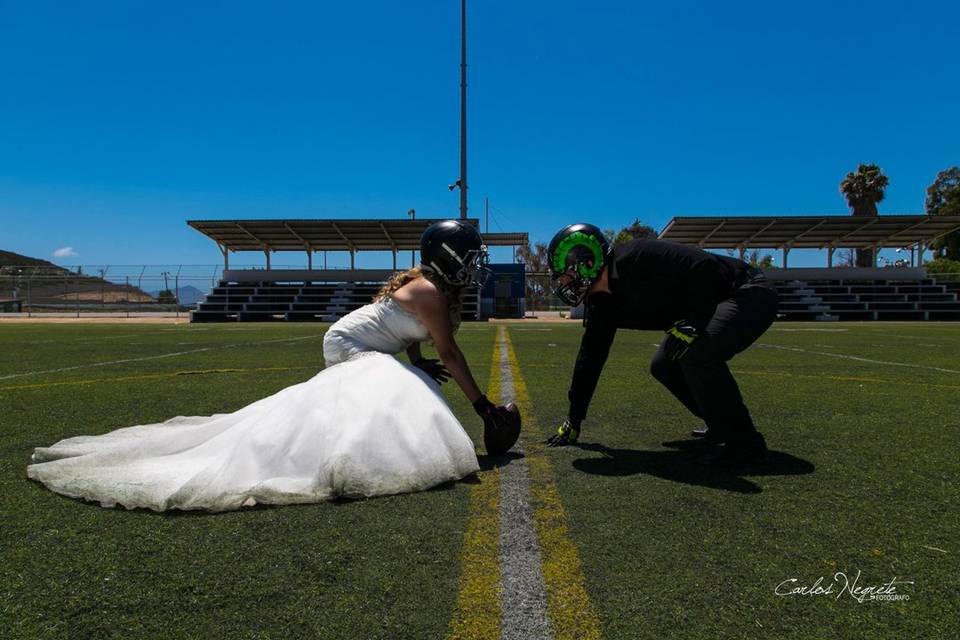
(433, 311)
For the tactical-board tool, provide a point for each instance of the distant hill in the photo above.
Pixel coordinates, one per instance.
(9, 258)
(189, 295)
(45, 282)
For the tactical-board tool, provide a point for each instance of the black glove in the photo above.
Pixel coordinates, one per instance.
(679, 338)
(433, 368)
(567, 433)
(492, 415)
(483, 406)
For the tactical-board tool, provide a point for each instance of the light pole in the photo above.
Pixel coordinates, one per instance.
(413, 254)
(463, 109)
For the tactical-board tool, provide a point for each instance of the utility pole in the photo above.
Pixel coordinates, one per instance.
(486, 211)
(463, 109)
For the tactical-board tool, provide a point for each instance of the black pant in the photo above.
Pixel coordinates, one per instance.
(701, 379)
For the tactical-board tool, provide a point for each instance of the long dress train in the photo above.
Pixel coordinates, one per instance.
(366, 425)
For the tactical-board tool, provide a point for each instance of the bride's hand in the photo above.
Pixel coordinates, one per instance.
(433, 368)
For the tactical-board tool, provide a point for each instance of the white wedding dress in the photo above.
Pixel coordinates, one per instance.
(367, 425)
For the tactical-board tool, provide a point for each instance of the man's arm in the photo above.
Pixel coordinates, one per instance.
(601, 327)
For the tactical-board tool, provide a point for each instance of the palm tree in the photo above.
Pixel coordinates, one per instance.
(863, 189)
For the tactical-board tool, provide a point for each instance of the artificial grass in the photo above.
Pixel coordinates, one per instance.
(380, 568)
(864, 478)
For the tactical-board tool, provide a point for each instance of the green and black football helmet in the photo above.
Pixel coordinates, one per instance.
(579, 251)
(454, 250)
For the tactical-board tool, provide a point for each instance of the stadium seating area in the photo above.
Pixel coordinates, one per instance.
(922, 299)
(297, 302)
(246, 299)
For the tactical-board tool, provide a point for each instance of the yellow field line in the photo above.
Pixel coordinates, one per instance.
(571, 613)
(148, 376)
(477, 612)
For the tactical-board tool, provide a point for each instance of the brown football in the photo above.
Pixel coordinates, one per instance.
(501, 434)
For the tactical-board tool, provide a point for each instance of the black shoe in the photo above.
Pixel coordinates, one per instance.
(739, 453)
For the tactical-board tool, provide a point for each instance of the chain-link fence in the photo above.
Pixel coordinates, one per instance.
(540, 295)
(130, 289)
(148, 289)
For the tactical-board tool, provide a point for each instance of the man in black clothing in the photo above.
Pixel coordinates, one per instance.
(710, 307)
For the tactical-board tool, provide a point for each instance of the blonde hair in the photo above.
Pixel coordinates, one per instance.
(453, 294)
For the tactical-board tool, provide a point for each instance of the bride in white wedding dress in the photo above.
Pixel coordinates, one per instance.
(366, 425)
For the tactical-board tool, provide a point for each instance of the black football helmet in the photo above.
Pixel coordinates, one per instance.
(454, 250)
(579, 251)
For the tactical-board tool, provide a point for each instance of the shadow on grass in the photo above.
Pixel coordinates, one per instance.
(488, 462)
(681, 465)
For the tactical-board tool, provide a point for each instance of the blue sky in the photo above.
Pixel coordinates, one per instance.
(119, 121)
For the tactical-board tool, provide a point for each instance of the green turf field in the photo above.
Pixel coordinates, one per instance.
(864, 420)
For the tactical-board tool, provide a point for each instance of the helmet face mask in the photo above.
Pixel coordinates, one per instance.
(574, 290)
(474, 270)
(577, 259)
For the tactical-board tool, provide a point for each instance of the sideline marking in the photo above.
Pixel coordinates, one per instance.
(857, 358)
(568, 605)
(157, 357)
(791, 329)
(785, 374)
(148, 376)
(503, 593)
(523, 599)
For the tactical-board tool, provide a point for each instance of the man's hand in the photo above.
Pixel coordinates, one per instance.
(679, 338)
(567, 434)
(433, 368)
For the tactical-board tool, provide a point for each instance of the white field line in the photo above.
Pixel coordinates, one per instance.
(157, 357)
(909, 337)
(124, 335)
(845, 357)
(857, 358)
(523, 600)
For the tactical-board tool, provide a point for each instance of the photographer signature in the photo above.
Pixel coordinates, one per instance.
(842, 584)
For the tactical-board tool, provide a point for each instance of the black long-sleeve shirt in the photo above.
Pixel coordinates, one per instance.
(653, 284)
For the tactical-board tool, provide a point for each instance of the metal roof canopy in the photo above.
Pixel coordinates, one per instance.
(807, 232)
(330, 235)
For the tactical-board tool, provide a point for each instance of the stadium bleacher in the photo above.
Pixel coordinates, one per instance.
(880, 299)
(833, 293)
(837, 293)
(263, 295)
(298, 296)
